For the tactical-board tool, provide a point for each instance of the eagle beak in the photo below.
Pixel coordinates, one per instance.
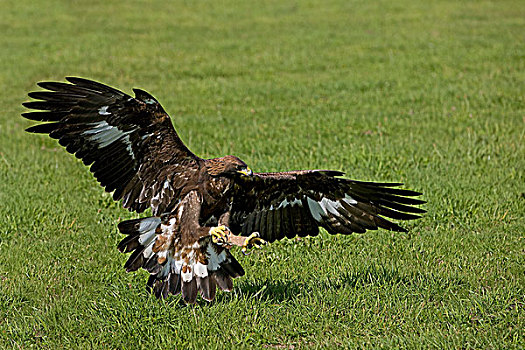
(246, 171)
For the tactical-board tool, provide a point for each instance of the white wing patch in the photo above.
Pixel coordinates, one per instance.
(130, 151)
(104, 134)
(103, 110)
(315, 209)
(349, 200)
(322, 208)
(286, 203)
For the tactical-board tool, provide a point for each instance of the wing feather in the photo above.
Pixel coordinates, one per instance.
(287, 204)
(129, 142)
(289, 228)
(270, 229)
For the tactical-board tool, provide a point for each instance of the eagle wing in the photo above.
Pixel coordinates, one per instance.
(287, 204)
(129, 142)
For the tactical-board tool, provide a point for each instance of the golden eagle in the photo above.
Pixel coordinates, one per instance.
(200, 207)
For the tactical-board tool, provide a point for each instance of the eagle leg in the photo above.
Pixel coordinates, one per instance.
(220, 234)
(253, 240)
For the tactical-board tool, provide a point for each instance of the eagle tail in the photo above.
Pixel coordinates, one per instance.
(199, 268)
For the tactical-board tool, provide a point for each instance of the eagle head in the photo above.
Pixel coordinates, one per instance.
(227, 166)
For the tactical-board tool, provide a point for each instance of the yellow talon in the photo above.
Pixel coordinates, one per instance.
(219, 234)
(252, 240)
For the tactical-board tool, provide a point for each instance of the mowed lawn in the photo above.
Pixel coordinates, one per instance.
(427, 93)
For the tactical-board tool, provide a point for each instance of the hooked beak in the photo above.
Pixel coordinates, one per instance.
(246, 171)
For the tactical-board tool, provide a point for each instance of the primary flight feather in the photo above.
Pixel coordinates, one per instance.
(201, 207)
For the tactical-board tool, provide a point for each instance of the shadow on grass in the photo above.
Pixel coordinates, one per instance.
(369, 277)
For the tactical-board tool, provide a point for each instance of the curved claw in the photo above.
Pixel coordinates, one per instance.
(219, 234)
(253, 240)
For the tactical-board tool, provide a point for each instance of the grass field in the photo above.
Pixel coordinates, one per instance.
(428, 93)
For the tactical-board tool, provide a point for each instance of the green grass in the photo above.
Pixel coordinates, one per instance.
(428, 93)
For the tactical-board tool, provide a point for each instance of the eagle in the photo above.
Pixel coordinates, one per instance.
(200, 208)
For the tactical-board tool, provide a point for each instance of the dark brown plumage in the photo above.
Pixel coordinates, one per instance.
(200, 206)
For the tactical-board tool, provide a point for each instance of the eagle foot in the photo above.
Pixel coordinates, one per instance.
(220, 234)
(253, 240)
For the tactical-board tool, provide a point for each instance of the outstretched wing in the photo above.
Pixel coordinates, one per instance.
(287, 204)
(129, 142)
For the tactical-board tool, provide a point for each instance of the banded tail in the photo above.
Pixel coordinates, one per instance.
(175, 268)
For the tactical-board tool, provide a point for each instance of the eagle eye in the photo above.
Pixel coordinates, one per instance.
(244, 170)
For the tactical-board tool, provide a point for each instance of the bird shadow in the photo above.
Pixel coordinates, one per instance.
(283, 290)
(368, 277)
